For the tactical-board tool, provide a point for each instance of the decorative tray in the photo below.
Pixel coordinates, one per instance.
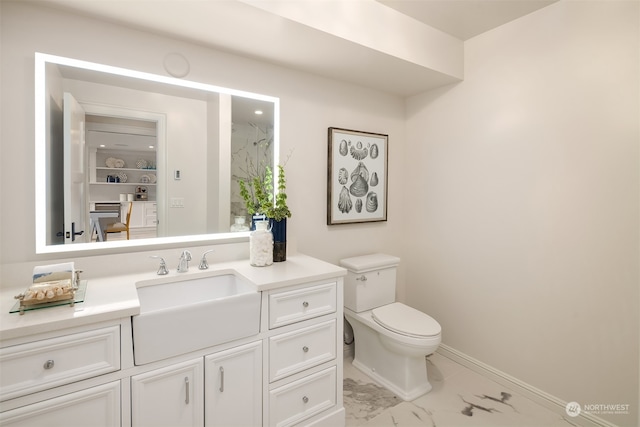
(58, 295)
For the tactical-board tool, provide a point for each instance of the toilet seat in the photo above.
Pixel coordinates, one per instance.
(406, 320)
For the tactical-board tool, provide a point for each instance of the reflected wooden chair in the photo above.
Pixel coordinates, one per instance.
(119, 227)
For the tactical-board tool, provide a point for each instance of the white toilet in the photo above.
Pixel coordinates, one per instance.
(391, 339)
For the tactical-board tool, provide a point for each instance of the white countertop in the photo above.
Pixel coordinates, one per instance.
(115, 297)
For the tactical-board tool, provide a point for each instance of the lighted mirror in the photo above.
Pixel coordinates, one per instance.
(126, 158)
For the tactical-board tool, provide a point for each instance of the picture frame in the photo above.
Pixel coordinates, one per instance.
(357, 176)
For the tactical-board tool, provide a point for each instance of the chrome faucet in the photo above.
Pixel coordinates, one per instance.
(183, 265)
(203, 262)
(162, 270)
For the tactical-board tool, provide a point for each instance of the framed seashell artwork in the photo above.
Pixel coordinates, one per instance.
(357, 176)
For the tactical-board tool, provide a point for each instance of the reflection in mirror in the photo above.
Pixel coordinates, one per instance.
(125, 158)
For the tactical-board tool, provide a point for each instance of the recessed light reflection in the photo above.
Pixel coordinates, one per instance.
(258, 112)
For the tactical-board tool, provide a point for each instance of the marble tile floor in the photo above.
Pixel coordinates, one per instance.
(459, 398)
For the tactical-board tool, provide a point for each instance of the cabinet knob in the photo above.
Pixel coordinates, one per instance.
(305, 304)
(305, 349)
(49, 364)
(305, 399)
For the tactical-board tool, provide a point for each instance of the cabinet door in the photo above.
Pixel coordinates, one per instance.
(137, 215)
(171, 396)
(233, 387)
(96, 406)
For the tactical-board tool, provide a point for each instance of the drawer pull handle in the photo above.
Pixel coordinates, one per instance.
(305, 304)
(49, 364)
(221, 379)
(305, 399)
(186, 383)
(305, 349)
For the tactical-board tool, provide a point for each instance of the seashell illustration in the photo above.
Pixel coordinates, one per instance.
(343, 176)
(372, 202)
(359, 187)
(358, 152)
(360, 170)
(359, 205)
(374, 151)
(343, 147)
(374, 179)
(344, 201)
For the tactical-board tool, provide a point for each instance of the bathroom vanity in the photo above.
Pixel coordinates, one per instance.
(80, 365)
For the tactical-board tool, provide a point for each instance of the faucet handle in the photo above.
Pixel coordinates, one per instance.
(186, 255)
(162, 270)
(203, 262)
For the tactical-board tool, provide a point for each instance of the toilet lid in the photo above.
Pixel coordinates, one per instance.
(405, 320)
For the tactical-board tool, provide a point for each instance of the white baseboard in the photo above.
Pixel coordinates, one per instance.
(542, 398)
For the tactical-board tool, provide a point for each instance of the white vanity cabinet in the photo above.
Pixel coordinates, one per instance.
(291, 374)
(170, 396)
(221, 389)
(62, 378)
(305, 372)
(75, 366)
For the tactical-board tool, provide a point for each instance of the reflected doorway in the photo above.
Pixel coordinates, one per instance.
(123, 170)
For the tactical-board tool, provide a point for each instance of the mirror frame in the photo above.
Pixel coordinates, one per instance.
(41, 196)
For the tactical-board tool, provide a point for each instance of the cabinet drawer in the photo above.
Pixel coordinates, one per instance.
(301, 349)
(40, 365)
(150, 221)
(97, 406)
(302, 399)
(301, 304)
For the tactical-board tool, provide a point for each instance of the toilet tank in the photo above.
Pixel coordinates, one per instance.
(370, 281)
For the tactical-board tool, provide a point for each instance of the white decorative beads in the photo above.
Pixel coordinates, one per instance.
(261, 245)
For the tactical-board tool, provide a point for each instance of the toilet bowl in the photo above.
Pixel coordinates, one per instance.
(391, 339)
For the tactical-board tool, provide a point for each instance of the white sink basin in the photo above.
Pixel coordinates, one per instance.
(183, 316)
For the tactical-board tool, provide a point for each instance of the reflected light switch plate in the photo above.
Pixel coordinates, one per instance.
(177, 202)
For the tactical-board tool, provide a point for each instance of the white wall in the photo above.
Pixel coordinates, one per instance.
(309, 105)
(526, 202)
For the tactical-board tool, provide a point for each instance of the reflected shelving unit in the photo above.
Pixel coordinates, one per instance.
(121, 166)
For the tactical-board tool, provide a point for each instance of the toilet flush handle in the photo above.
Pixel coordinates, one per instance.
(362, 278)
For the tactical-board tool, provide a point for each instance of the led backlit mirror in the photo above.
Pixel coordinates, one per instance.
(111, 140)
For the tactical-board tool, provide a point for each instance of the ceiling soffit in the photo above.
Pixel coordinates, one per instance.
(374, 52)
